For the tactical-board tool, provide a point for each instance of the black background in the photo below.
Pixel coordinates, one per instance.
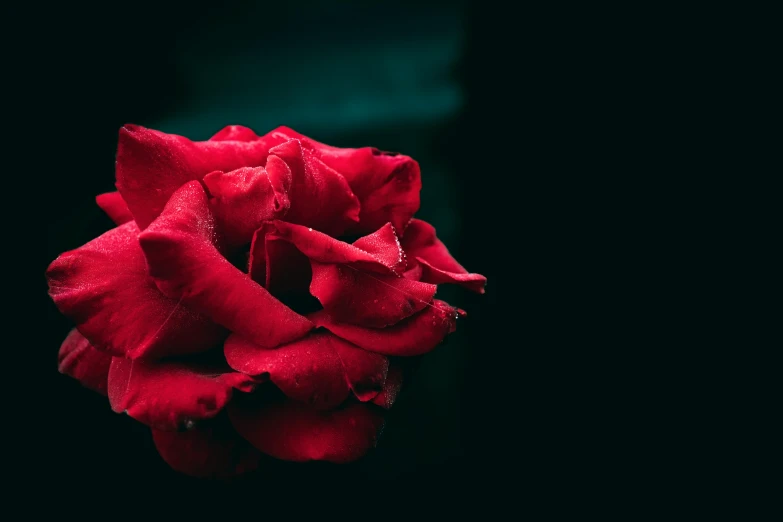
(483, 402)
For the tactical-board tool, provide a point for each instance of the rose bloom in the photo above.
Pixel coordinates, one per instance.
(259, 295)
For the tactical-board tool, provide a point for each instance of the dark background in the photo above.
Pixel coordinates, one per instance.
(467, 89)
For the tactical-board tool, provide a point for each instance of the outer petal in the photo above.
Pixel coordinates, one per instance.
(297, 432)
(373, 300)
(241, 200)
(170, 395)
(212, 449)
(307, 370)
(113, 204)
(182, 257)
(387, 184)
(78, 359)
(318, 370)
(104, 287)
(151, 165)
(413, 336)
(421, 244)
(320, 196)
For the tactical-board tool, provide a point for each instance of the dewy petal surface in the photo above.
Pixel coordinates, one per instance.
(415, 335)
(105, 289)
(319, 369)
(171, 395)
(78, 359)
(151, 165)
(297, 432)
(181, 253)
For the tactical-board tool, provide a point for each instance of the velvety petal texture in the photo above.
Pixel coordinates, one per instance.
(113, 204)
(210, 449)
(297, 432)
(78, 359)
(320, 369)
(171, 395)
(184, 260)
(105, 288)
(261, 294)
(356, 283)
(151, 165)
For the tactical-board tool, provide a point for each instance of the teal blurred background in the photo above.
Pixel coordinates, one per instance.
(404, 78)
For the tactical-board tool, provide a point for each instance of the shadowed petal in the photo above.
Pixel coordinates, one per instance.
(297, 432)
(78, 359)
(210, 449)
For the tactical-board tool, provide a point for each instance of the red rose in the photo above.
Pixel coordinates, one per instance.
(206, 286)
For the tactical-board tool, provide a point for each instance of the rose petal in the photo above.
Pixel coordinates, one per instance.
(307, 370)
(241, 200)
(211, 449)
(323, 248)
(180, 251)
(413, 336)
(391, 388)
(374, 300)
(151, 165)
(295, 431)
(385, 246)
(104, 287)
(78, 359)
(365, 371)
(171, 395)
(113, 204)
(235, 133)
(421, 244)
(320, 196)
(386, 184)
(318, 370)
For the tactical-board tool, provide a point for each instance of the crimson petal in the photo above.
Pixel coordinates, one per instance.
(241, 200)
(297, 432)
(151, 165)
(78, 359)
(421, 244)
(182, 257)
(414, 336)
(320, 196)
(113, 204)
(386, 184)
(104, 287)
(373, 300)
(171, 395)
(306, 370)
(318, 370)
(212, 449)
